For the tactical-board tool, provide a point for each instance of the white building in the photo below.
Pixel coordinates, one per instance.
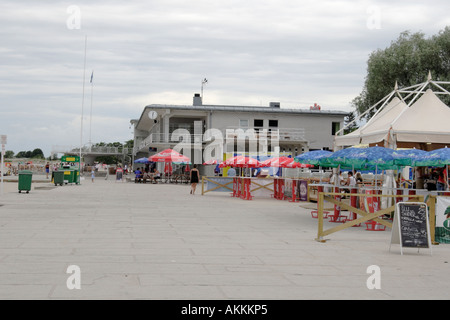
(187, 127)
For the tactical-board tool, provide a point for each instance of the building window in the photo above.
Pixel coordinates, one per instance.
(335, 127)
(243, 123)
(258, 123)
(273, 123)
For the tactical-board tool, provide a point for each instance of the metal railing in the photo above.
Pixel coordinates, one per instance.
(91, 150)
(280, 134)
(161, 138)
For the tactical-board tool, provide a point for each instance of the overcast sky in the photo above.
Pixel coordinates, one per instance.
(143, 52)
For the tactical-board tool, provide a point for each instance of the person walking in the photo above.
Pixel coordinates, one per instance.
(47, 169)
(119, 174)
(194, 177)
(442, 180)
(93, 174)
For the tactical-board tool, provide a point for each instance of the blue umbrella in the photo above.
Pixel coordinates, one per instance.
(142, 160)
(362, 158)
(435, 158)
(313, 157)
(408, 157)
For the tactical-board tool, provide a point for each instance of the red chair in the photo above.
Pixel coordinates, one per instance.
(374, 226)
(337, 219)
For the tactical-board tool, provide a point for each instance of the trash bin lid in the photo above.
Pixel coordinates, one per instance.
(25, 172)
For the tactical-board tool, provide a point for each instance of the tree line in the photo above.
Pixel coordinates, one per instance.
(39, 154)
(35, 154)
(407, 61)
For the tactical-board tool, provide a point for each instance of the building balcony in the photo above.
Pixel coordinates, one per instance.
(163, 139)
(285, 135)
(274, 134)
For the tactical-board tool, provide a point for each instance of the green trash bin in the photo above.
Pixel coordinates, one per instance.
(68, 176)
(25, 178)
(76, 176)
(58, 177)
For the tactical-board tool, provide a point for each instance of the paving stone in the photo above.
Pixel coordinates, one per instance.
(135, 241)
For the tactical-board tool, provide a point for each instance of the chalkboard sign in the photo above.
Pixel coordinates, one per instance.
(411, 226)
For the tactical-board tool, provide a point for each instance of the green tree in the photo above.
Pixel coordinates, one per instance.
(9, 154)
(107, 159)
(407, 61)
(37, 153)
(349, 119)
(113, 159)
(21, 154)
(129, 144)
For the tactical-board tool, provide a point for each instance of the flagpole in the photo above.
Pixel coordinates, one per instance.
(90, 123)
(82, 102)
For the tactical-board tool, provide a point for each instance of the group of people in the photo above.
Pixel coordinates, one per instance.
(144, 175)
(439, 175)
(436, 179)
(352, 180)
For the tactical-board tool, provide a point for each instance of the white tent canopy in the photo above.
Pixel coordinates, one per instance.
(377, 129)
(426, 121)
(398, 124)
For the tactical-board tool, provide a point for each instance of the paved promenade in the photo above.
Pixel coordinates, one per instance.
(145, 241)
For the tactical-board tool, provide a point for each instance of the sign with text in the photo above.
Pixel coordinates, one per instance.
(70, 159)
(411, 228)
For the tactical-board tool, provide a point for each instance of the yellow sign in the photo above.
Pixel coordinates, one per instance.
(70, 159)
(67, 173)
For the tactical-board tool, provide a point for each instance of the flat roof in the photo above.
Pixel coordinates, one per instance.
(245, 109)
(231, 108)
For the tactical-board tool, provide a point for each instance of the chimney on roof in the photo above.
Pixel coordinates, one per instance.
(274, 104)
(197, 99)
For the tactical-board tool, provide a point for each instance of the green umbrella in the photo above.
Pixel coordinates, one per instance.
(408, 157)
(362, 158)
(435, 158)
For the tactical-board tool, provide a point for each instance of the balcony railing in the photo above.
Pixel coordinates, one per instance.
(272, 134)
(163, 138)
(285, 134)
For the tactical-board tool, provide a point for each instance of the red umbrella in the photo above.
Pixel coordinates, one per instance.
(169, 155)
(210, 162)
(294, 164)
(276, 162)
(242, 162)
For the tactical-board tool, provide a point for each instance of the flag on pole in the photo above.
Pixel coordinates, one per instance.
(92, 76)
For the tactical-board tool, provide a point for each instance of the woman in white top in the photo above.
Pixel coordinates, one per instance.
(351, 181)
